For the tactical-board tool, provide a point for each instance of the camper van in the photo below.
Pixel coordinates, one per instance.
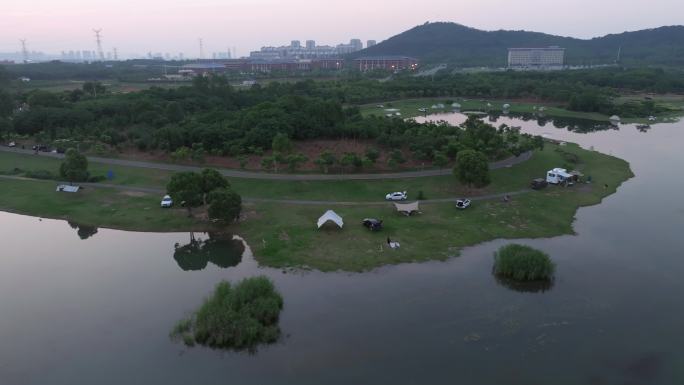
(558, 176)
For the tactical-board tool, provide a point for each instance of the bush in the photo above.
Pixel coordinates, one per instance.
(235, 317)
(523, 263)
(40, 174)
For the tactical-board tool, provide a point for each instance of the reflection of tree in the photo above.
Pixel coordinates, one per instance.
(84, 232)
(221, 250)
(525, 286)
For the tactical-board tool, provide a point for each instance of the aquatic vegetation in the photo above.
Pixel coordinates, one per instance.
(235, 317)
(523, 263)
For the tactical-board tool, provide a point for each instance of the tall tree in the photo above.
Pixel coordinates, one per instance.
(281, 143)
(74, 167)
(224, 205)
(186, 188)
(212, 180)
(472, 168)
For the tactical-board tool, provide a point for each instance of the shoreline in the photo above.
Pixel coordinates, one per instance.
(284, 234)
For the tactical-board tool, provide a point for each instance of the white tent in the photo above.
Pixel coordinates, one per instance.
(330, 216)
(68, 188)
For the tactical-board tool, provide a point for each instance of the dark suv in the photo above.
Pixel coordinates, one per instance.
(538, 184)
(372, 224)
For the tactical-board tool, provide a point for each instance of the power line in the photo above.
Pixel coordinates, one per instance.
(98, 39)
(24, 51)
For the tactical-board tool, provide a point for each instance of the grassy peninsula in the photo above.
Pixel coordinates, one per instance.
(284, 234)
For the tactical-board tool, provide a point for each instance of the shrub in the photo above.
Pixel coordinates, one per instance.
(523, 263)
(40, 174)
(235, 317)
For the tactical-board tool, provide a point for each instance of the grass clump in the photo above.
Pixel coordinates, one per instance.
(523, 263)
(235, 317)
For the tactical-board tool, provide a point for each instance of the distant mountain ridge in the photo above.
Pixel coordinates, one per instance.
(466, 47)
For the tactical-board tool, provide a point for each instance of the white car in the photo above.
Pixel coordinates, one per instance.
(462, 203)
(12, 144)
(166, 201)
(396, 196)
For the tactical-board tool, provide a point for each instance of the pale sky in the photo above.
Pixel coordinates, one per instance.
(139, 26)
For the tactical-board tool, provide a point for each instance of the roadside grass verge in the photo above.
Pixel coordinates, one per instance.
(503, 180)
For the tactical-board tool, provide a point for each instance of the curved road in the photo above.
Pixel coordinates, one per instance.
(268, 176)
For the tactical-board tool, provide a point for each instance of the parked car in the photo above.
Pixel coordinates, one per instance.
(11, 144)
(397, 196)
(40, 147)
(372, 224)
(462, 203)
(539, 183)
(166, 201)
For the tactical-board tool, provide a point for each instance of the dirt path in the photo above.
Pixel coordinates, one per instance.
(269, 176)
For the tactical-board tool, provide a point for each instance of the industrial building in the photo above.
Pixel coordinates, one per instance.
(536, 58)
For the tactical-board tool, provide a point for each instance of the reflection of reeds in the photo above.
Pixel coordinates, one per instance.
(540, 286)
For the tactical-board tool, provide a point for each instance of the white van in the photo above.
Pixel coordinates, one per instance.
(558, 176)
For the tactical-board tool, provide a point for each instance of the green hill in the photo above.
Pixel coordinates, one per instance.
(465, 47)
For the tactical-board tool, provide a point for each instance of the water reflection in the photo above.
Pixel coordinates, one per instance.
(220, 249)
(84, 232)
(524, 287)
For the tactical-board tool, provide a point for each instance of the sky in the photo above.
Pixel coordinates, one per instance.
(141, 26)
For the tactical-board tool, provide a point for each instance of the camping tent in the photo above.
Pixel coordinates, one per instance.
(407, 208)
(330, 216)
(68, 188)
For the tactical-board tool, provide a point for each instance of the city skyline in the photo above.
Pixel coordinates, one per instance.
(53, 27)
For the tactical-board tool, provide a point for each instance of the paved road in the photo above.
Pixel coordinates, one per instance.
(154, 190)
(268, 176)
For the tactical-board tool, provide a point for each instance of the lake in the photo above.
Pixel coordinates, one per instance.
(95, 306)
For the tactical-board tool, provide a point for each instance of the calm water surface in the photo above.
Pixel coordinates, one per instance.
(85, 307)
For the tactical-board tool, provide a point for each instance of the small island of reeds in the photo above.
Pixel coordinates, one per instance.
(238, 317)
(523, 263)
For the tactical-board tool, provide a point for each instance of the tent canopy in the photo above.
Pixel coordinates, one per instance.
(68, 188)
(407, 208)
(330, 216)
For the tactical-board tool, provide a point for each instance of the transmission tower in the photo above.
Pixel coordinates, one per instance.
(24, 51)
(98, 39)
(201, 47)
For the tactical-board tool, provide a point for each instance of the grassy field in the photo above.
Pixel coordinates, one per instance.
(285, 234)
(507, 179)
(95, 207)
(409, 108)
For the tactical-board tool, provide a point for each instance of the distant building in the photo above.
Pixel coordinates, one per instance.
(390, 63)
(532, 58)
(370, 43)
(254, 65)
(310, 51)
